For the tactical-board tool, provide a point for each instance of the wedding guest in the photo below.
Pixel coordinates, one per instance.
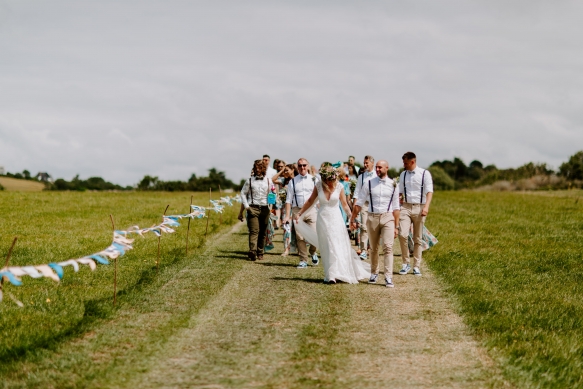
(382, 219)
(270, 172)
(351, 161)
(416, 188)
(254, 199)
(366, 173)
(299, 191)
(277, 179)
(352, 172)
(284, 177)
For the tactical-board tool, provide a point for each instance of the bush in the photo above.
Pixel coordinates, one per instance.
(441, 180)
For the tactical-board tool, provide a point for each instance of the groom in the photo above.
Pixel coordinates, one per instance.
(299, 190)
(383, 219)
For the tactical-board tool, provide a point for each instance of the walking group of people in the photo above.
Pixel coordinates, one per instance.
(320, 210)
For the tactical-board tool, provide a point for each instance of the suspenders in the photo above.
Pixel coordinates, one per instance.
(370, 196)
(405, 185)
(295, 195)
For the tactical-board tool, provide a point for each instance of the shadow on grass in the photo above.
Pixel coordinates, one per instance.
(310, 280)
(263, 263)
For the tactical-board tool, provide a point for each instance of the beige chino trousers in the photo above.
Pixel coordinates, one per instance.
(381, 226)
(363, 226)
(411, 214)
(300, 241)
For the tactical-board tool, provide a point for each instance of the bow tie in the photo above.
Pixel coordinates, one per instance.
(306, 176)
(368, 174)
(383, 180)
(259, 178)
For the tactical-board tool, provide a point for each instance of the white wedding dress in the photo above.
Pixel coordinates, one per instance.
(340, 261)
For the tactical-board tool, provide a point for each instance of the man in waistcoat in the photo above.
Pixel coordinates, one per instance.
(366, 173)
(299, 190)
(382, 195)
(416, 188)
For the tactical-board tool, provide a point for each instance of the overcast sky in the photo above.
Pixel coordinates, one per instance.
(121, 89)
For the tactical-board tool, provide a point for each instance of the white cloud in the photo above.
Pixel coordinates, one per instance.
(124, 89)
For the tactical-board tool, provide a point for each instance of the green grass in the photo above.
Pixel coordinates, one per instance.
(56, 226)
(514, 263)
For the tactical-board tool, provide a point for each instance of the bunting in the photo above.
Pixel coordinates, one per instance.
(119, 246)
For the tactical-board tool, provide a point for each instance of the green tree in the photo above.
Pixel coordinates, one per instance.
(441, 180)
(573, 169)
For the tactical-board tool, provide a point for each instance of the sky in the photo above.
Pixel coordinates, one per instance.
(123, 89)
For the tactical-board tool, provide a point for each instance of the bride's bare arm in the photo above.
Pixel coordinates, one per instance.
(308, 203)
(345, 203)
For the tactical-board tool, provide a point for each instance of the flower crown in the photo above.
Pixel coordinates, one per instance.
(328, 173)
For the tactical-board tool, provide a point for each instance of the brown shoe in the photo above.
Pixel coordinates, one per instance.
(252, 255)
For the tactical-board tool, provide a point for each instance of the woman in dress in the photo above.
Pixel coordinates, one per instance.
(283, 178)
(338, 258)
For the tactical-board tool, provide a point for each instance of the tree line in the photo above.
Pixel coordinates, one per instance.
(447, 175)
(455, 174)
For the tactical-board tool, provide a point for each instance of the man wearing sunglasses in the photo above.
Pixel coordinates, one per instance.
(299, 191)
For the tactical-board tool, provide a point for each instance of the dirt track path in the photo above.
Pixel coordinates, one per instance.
(275, 326)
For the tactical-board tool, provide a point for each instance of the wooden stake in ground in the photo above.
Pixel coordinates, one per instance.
(208, 216)
(188, 229)
(220, 214)
(114, 268)
(159, 238)
(6, 265)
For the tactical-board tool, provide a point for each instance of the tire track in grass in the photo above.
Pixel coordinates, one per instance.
(272, 326)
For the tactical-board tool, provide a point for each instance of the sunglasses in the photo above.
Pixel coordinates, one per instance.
(302, 164)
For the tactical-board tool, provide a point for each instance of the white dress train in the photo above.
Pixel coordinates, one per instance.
(339, 260)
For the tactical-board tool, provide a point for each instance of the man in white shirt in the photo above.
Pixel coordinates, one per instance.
(367, 173)
(416, 188)
(254, 200)
(270, 171)
(299, 190)
(382, 220)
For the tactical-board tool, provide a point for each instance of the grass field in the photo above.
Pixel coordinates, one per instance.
(56, 226)
(17, 185)
(514, 264)
(509, 262)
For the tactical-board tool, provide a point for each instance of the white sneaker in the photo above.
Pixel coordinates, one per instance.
(416, 271)
(405, 269)
(389, 283)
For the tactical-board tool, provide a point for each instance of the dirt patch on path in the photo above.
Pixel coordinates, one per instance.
(275, 326)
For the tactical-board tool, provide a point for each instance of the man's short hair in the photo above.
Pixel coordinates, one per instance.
(303, 159)
(368, 158)
(266, 156)
(409, 155)
(351, 156)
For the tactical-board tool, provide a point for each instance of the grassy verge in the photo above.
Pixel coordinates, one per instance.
(513, 261)
(58, 226)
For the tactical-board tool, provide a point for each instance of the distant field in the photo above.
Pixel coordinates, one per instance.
(17, 185)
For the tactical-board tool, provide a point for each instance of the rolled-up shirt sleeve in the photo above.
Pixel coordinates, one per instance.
(358, 188)
(360, 199)
(428, 184)
(395, 205)
(244, 193)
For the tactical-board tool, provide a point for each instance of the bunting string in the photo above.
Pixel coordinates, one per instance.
(120, 245)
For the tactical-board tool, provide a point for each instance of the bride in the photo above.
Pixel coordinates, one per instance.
(340, 261)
